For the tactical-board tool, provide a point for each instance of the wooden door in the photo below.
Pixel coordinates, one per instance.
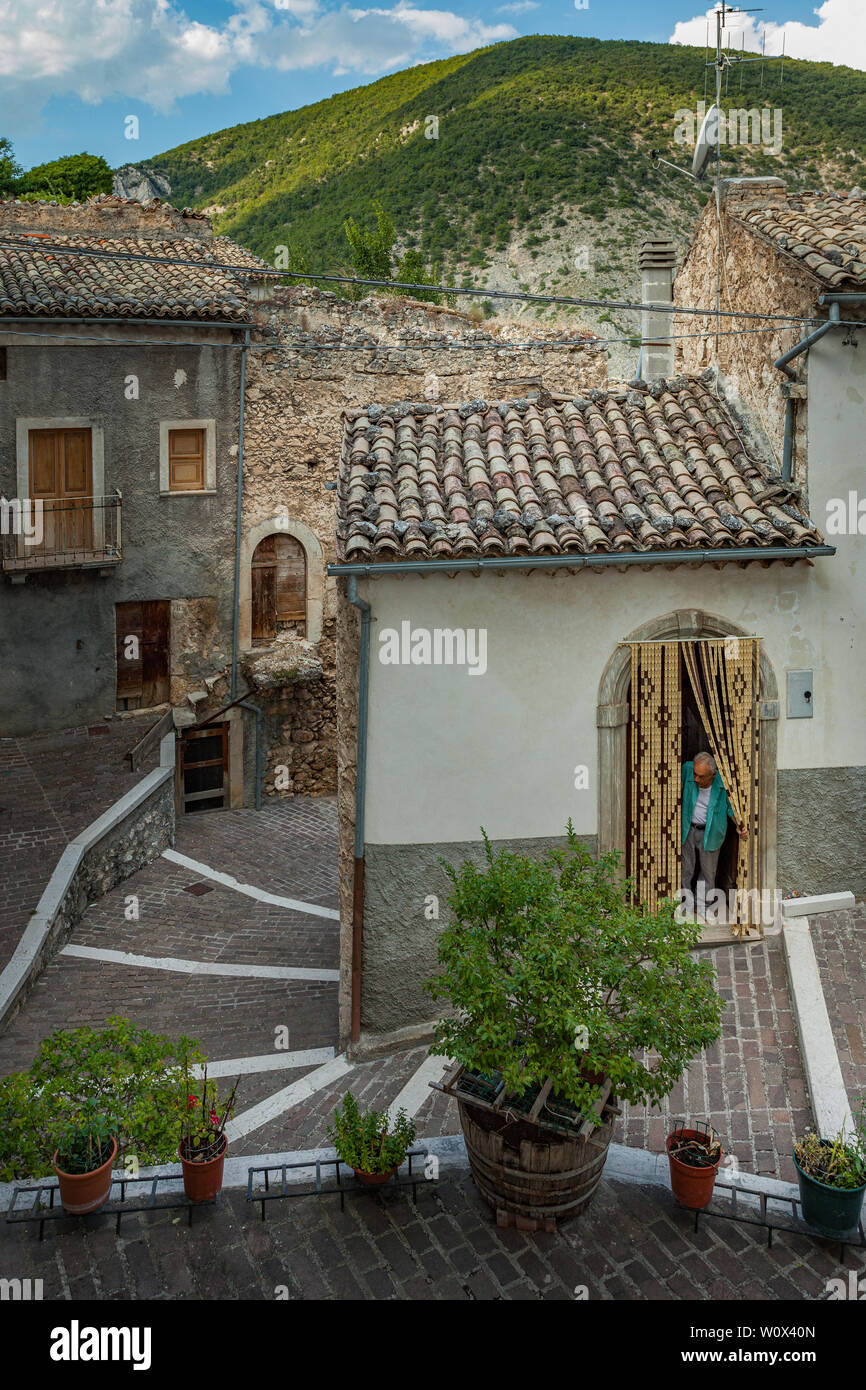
(204, 768)
(61, 477)
(279, 588)
(142, 630)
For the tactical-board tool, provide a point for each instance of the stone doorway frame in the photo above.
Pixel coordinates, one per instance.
(689, 625)
(281, 525)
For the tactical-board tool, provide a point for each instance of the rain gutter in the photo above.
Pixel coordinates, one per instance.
(375, 569)
(360, 801)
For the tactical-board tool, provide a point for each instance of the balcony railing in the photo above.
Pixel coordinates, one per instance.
(68, 533)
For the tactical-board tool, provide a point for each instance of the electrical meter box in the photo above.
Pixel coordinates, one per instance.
(801, 697)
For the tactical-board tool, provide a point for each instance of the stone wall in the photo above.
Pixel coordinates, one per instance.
(310, 362)
(756, 278)
(110, 215)
(129, 835)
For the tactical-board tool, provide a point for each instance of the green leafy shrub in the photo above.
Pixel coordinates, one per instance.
(85, 1145)
(370, 1142)
(552, 972)
(127, 1074)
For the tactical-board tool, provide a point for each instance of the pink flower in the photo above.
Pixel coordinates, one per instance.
(193, 1102)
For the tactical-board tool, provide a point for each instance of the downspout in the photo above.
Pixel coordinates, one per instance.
(239, 515)
(243, 704)
(246, 704)
(790, 401)
(360, 796)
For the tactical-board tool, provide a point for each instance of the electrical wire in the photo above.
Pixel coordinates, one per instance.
(52, 249)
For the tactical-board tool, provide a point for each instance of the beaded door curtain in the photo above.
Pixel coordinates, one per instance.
(724, 676)
(656, 756)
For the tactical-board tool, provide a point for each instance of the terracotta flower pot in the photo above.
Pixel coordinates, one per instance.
(374, 1179)
(81, 1193)
(203, 1181)
(692, 1186)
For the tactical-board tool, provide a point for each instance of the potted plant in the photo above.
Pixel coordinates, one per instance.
(82, 1162)
(564, 996)
(694, 1156)
(203, 1144)
(371, 1143)
(832, 1178)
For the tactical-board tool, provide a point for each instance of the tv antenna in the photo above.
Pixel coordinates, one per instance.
(708, 146)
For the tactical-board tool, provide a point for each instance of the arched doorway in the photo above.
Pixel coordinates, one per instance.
(613, 728)
(278, 589)
(281, 527)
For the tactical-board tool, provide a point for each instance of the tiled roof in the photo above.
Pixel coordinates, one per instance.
(657, 468)
(825, 233)
(38, 281)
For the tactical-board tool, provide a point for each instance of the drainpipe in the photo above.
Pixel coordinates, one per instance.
(790, 401)
(247, 704)
(238, 516)
(360, 793)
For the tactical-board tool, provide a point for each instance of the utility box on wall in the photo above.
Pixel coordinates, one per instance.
(801, 696)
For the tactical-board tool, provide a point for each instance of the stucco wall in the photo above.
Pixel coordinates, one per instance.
(58, 629)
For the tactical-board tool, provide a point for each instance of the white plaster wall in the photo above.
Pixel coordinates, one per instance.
(449, 752)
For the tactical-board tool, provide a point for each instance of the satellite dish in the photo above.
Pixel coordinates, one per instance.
(708, 135)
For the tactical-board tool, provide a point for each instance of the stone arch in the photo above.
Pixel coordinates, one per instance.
(281, 525)
(683, 624)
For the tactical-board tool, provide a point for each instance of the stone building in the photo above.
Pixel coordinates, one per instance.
(150, 371)
(315, 355)
(803, 255)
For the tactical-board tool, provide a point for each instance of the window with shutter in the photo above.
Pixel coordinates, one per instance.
(186, 460)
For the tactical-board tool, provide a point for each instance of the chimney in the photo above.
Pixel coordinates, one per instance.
(656, 260)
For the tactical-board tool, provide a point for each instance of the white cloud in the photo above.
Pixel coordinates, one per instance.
(519, 7)
(839, 36)
(151, 51)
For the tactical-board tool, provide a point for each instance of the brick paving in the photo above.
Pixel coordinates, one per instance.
(51, 787)
(632, 1243)
(839, 939)
(750, 1085)
(287, 848)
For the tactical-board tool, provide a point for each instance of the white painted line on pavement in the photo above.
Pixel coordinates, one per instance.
(417, 1088)
(271, 1061)
(287, 1098)
(201, 967)
(204, 871)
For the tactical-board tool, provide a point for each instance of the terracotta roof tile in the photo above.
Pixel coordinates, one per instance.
(36, 281)
(825, 233)
(638, 470)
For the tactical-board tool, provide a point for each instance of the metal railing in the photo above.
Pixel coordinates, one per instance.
(62, 533)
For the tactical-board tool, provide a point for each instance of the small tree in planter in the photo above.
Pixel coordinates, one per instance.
(371, 1142)
(564, 995)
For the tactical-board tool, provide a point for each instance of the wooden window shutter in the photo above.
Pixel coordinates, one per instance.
(186, 460)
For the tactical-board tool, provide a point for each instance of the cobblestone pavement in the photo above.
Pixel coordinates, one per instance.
(632, 1243)
(287, 849)
(51, 787)
(839, 939)
(750, 1086)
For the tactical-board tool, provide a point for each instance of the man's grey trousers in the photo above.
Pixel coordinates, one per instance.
(708, 859)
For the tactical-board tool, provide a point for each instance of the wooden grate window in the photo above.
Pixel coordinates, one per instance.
(186, 460)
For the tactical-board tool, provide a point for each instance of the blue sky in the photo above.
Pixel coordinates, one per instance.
(72, 71)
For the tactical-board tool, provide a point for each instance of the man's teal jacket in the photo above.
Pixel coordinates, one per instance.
(717, 812)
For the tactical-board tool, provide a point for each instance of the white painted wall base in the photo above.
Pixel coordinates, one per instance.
(818, 903)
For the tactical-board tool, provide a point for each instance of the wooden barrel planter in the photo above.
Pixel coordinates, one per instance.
(535, 1180)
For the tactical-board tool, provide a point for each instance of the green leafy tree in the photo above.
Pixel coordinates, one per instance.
(10, 169)
(371, 251)
(75, 176)
(552, 972)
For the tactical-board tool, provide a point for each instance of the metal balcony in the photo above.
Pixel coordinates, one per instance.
(71, 533)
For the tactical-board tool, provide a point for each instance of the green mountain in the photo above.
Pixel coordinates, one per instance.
(540, 176)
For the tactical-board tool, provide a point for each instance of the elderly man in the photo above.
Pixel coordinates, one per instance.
(705, 821)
